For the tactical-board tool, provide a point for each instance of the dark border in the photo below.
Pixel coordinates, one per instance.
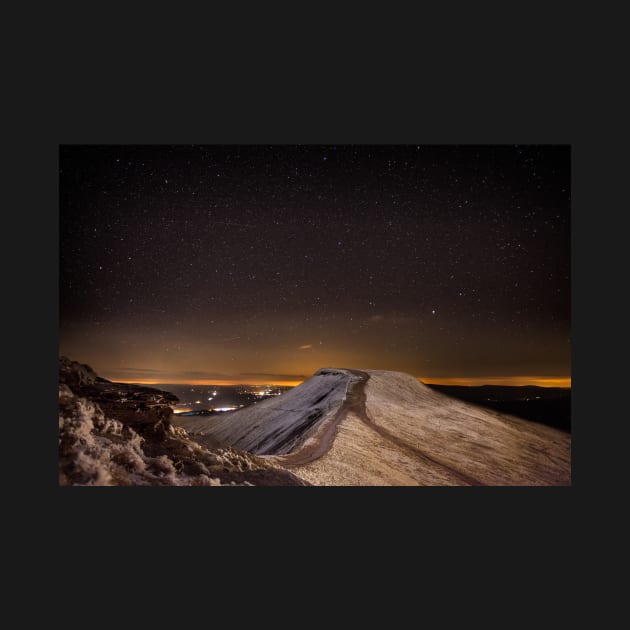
(382, 86)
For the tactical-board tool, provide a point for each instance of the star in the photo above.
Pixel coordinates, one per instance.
(397, 226)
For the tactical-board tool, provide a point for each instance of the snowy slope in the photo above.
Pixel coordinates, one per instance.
(276, 425)
(374, 427)
(408, 434)
(487, 446)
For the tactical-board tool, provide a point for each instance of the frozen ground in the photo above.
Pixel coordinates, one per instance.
(276, 425)
(488, 447)
(96, 449)
(408, 434)
(369, 427)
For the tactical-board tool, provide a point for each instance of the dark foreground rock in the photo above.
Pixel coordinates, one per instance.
(120, 434)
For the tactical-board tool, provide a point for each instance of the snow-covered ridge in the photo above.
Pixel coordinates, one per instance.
(405, 433)
(276, 425)
(377, 427)
(340, 427)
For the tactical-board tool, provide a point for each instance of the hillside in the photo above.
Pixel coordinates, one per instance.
(275, 425)
(340, 427)
(368, 427)
(546, 405)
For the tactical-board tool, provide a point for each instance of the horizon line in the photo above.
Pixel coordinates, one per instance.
(472, 381)
(219, 382)
(510, 381)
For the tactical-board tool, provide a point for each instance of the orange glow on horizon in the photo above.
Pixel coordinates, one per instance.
(513, 381)
(144, 381)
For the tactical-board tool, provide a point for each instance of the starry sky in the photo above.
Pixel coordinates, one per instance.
(261, 264)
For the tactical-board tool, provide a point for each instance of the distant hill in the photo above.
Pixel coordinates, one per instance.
(546, 405)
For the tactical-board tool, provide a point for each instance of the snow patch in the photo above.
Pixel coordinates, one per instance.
(99, 451)
(276, 425)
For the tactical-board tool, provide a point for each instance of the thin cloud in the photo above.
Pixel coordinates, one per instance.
(306, 346)
(392, 319)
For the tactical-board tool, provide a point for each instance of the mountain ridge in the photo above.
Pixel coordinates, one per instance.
(342, 426)
(396, 426)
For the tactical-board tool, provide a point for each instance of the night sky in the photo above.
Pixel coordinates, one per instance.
(262, 264)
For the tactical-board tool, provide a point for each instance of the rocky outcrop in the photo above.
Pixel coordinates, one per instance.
(75, 374)
(121, 434)
(132, 405)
